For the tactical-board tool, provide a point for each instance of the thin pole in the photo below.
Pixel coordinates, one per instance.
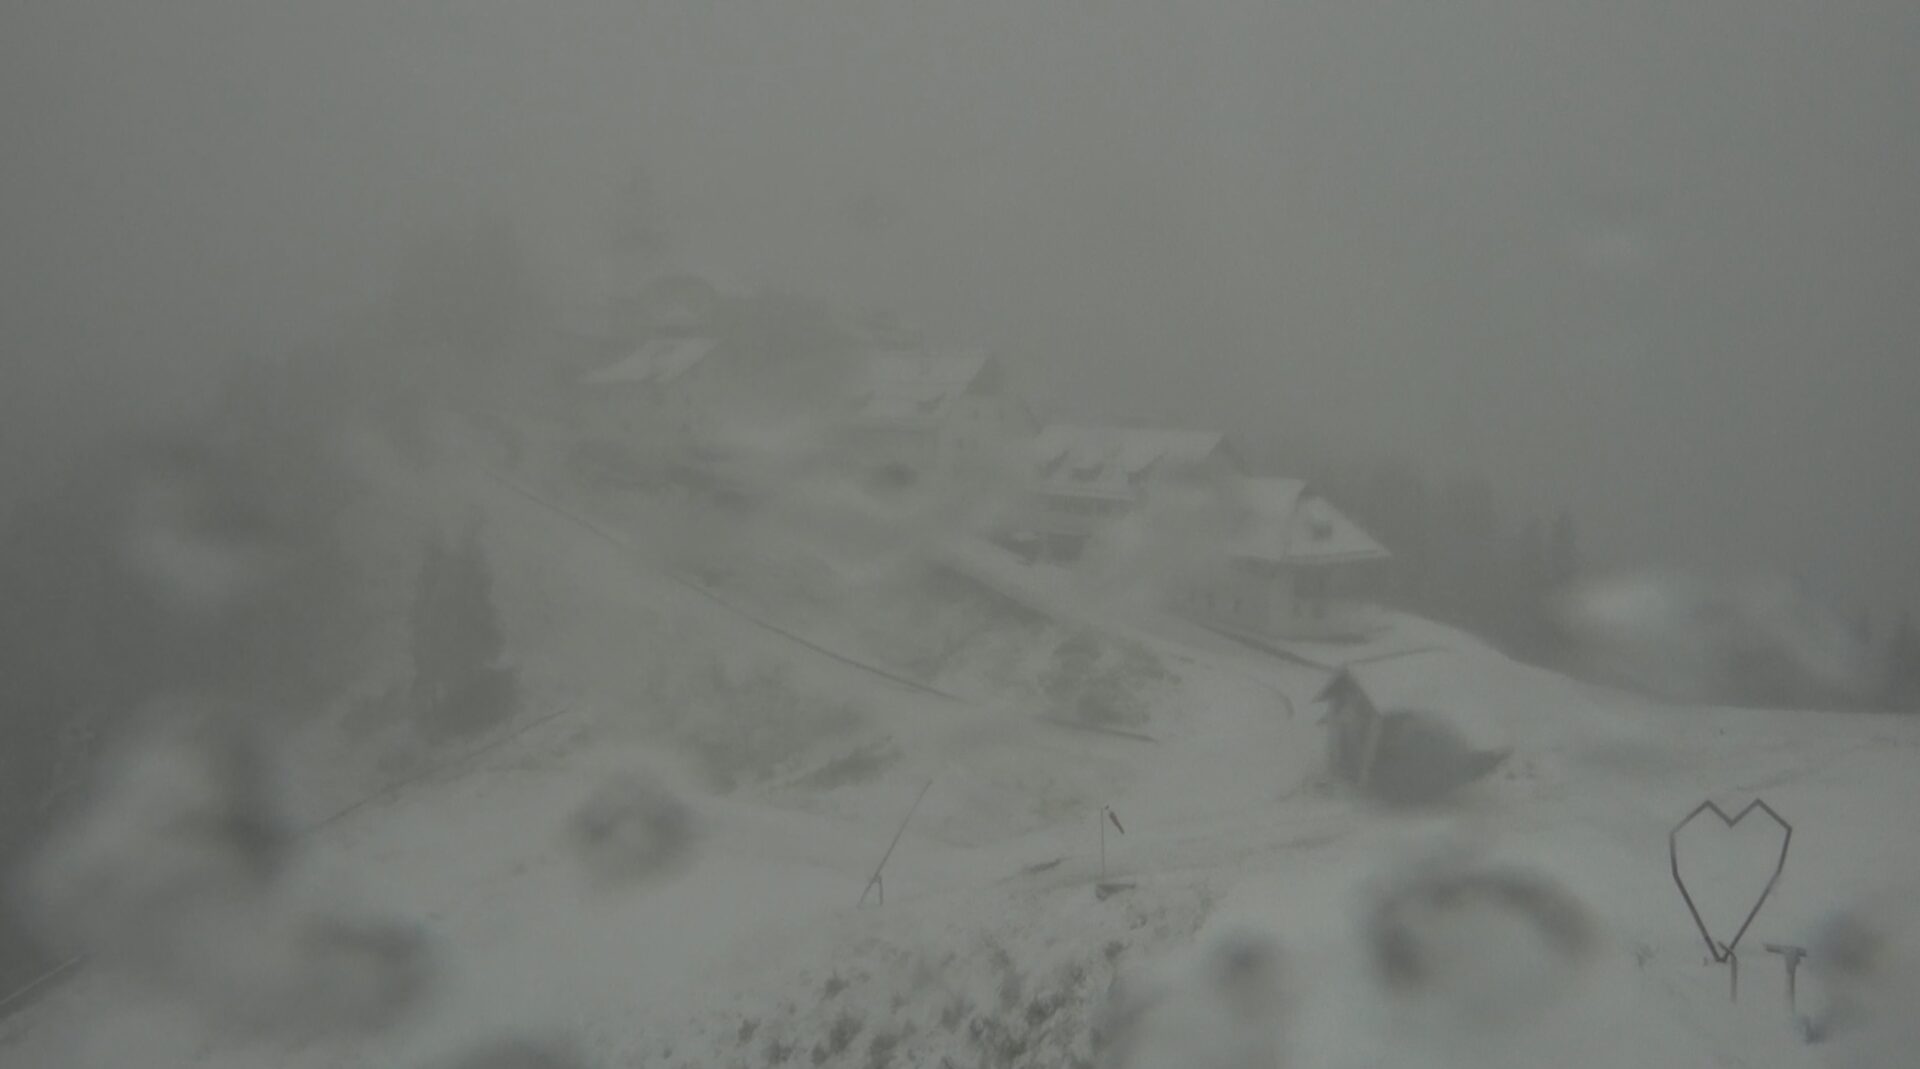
(1106, 814)
(875, 879)
(1792, 956)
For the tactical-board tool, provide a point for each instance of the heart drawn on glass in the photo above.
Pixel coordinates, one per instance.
(1720, 949)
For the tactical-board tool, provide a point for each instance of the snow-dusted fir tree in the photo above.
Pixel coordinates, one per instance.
(459, 681)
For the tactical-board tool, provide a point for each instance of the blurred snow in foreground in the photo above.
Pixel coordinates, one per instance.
(176, 878)
(1223, 1005)
(1864, 964)
(1466, 952)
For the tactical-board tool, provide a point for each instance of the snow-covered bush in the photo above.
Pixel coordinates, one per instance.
(1105, 682)
(630, 828)
(460, 684)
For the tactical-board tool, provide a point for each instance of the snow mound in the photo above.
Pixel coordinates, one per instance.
(1223, 1005)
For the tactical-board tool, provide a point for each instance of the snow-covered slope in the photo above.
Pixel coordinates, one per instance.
(1001, 934)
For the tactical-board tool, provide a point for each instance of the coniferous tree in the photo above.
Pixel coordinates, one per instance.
(460, 683)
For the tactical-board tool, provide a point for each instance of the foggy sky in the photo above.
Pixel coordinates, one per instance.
(1657, 263)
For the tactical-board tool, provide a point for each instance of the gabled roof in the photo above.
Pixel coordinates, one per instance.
(1287, 523)
(915, 388)
(656, 363)
(1114, 460)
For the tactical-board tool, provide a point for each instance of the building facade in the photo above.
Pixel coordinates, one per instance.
(1087, 477)
(934, 415)
(1290, 567)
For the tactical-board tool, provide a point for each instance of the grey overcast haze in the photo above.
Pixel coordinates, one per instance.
(1658, 264)
(966, 534)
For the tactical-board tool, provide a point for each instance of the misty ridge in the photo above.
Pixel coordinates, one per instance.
(503, 512)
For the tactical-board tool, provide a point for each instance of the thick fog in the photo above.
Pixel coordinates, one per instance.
(1653, 265)
(1233, 529)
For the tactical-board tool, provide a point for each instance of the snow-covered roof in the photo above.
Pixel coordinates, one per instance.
(658, 362)
(1113, 460)
(1438, 682)
(908, 388)
(1288, 523)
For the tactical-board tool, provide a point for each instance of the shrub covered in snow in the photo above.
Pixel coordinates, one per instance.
(629, 829)
(460, 682)
(1108, 682)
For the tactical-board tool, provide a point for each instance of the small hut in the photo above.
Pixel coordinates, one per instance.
(1393, 734)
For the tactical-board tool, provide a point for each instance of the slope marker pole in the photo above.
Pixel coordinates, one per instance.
(1106, 815)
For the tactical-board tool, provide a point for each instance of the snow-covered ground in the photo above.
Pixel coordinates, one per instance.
(1000, 934)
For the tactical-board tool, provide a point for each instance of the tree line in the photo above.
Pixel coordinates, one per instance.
(1462, 557)
(1457, 557)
